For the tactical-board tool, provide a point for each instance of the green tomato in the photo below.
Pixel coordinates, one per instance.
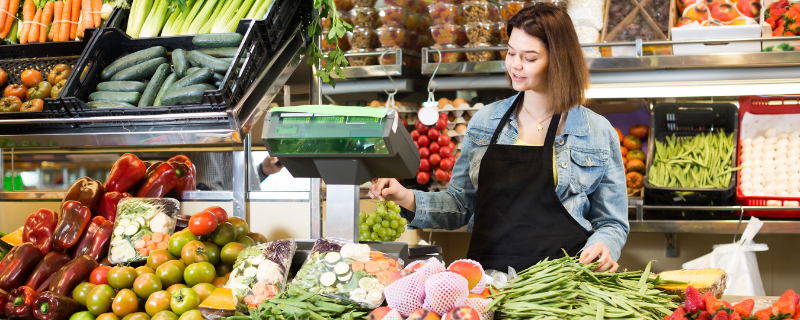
(241, 226)
(157, 302)
(107, 316)
(165, 315)
(212, 250)
(125, 303)
(194, 251)
(204, 290)
(224, 234)
(170, 272)
(230, 252)
(174, 288)
(223, 269)
(144, 269)
(122, 277)
(191, 315)
(83, 315)
(99, 299)
(201, 272)
(246, 241)
(137, 316)
(184, 300)
(81, 292)
(146, 284)
(158, 257)
(178, 240)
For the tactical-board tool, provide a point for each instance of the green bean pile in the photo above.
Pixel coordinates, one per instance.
(703, 161)
(565, 289)
(296, 303)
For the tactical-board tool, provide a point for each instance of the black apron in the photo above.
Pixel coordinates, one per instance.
(519, 219)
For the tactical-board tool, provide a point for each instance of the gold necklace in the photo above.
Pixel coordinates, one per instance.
(538, 127)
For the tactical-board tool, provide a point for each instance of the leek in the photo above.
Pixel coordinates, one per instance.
(184, 28)
(202, 17)
(155, 20)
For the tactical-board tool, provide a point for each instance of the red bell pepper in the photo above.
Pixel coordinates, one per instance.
(186, 173)
(74, 219)
(51, 263)
(105, 262)
(22, 260)
(125, 173)
(19, 304)
(73, 273)
(87, 191)
(96, 240)
(39, 229)
(160, 179)
(108, 206)
(3, 297)
(54, 306)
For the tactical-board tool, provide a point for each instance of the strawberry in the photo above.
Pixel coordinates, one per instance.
(721, 315)
(763, 314)
(771, 22)
(703, 316)
(789, 34)
(778, 32)
(777, 13)
(712, 304)
(785, 306)
(796, 315)
(779, 4)
(734, 316)
(679, 314)
(745, 308)
(694, 301)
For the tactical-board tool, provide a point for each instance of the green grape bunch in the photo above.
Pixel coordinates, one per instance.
(383, 224)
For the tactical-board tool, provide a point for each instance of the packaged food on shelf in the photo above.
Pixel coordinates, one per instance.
(361, 61)
(364, 17)
(449, 34)
(477, 11)
(325, 22)
(364, 3)
(425, 24)
(446, 57)
(510, 8)
(142, 225)
(343, 43)
(391, 36)
(423, 42)
(482, 32)
(397, 3)
(618, 10)
(478, 56)
(344, 5)
(390, 57)
(447, 1)
(420, 7)
(412, 40)
(413, 20)
(362, 38)
(636, 29)
(659, 12)
(446, 13)
(260, 272)
(502, 28)
(393, 16)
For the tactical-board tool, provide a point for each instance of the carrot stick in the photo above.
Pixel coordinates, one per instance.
(76, 15)
(63, 33)
(4, 6)
(97, 5)
(12, 9)
(33, 33)
(86, 21)
(47, 17)
(59, 6)
(28, 12)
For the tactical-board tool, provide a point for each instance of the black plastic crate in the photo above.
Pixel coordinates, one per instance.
(279, 18)
(686, 120)
(112, 43)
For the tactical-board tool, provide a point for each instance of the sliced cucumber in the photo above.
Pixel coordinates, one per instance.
(257, 260)
(327, 279)
(341, 268)
(131, 229)
(130, 252)
(250, 272)
(346, 277)
(332, 257)
(119, 230)
(139, 220)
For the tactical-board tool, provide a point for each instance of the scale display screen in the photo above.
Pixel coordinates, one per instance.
(313, 134)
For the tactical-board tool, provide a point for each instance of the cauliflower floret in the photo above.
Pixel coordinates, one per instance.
(161, 223)
(269, 272)
(356, 251)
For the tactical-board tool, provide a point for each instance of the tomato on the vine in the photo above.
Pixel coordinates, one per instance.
(184, 300)
(193, 252)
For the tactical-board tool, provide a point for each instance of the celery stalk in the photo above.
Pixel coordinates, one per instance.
(167, 30)
(13, 36)
(240, 14)
(184, 28)
(175, 26)
(252, 12)
(155, 20)
(225, 17)
(218, 9)
(201, 17)
(136, 22)
(262, 12)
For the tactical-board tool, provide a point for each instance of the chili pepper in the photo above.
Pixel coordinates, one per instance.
(46, 268)
(19, 304)
(125, 173)
(54, 306)
(72, 274)
(74, 218)
(87, 191)
(185, 171)
(82, 247)
(39, 229)
(108, 206)
(46, 283)
(160, 179)
(22, 260)
(98, 249)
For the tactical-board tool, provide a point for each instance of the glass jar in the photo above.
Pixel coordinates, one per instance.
(397, 3)
(424, 42)
(447, 1)
(412, 40)
(413, 21)
(503, 30)
(344, 44)
(446, 57)
(362, 38)
(344, 5)
(393, 16)
(445, 13)
(361, 61)
(482, 32)
(478, 56)
(510, 8)
(449, 34)
(364, 17)
(364, 3)
(476, 11)
(392, 37)
(425, 24)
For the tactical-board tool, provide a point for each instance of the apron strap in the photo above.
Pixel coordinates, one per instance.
(549, 139)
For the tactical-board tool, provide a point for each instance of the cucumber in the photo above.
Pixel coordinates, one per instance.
(179, 61)
(218, 40)
(127, 97)
(132, 60)
(332, 257)
(121, 86)
(199, 59)
(200, 76)
(230, 60)
(109, 104)
(186, 95)
(191, 70)
(140, 71)
(226, 52)
(149, 95)
(217, 79)
(164, 87)
(207, 86)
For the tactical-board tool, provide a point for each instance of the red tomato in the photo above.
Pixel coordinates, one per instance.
(433, 134)
(424, 141)
(405, 123)
(423, 177)
(634, 180)
(424, 165)
(416, 144)
(424, 152)
(444, 140)
(434, 146)
(449, 176)
(441, 175)
(421, 127)
(445, 152)
(221, 214)
(446, 164)
(452, 146)
(16, 90)
(435, 159)
(443, 115)
(640, 131)
(414, 135)
(441, 124)
(99, 275)
(30, 78)
(203, 223)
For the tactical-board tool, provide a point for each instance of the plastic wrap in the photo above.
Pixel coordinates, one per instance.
(510, 8)
(392, 37)
(142, 225)
(361, 61)
(449, 34)
(586, 13)
(364, 17)
(260, 272)
(447, 56)
(446, 13)
(347, 272)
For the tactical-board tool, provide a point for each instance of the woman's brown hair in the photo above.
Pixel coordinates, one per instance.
(567, 74)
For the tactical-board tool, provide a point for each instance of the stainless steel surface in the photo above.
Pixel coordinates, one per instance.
(396, 69)
(341, 212)
(222, 196)
(173, 116)
(711, 227)
(187, 196)
(372, 85)
(316, 208)
(279, 196)
(241, 160)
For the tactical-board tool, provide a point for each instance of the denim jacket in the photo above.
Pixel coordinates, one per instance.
(591, 177)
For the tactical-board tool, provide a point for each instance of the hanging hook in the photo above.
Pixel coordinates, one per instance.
(431, 89)
(390, 99)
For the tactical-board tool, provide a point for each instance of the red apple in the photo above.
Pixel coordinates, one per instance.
(423, 314)
(400, 275)
(414, 135)
(423, 177)
(441, 124)
(750, 8)
(424, 152)
(724, 12)
(424, 141)
(445, 152)
(435, 159)
(446, 164)
(469, 270)
(698, 12)
(462, 313)
(378, 313)
(444, 140)
(424, 165)
(434, 134)
(441, 175)
(434, 146)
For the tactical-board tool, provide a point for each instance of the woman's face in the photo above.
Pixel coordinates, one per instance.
(526, 62)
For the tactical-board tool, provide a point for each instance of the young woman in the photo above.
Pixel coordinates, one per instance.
(538, 174)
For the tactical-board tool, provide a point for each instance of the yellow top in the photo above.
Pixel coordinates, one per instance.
(519, 142)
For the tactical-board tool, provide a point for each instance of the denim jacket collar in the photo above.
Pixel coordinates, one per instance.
(577, 121)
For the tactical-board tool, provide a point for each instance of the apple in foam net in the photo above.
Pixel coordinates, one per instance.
(749, 8)
(698, 12)
(724, 12)
(379, 313)
(468, 270)
(462, 313)
(423, 314)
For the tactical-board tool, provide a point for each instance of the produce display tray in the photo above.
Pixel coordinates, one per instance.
(686, 120)
(279, 17)
(112, 43)
(766, 105)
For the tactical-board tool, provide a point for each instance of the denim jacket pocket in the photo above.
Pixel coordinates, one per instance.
(589, 165)
(480, 138)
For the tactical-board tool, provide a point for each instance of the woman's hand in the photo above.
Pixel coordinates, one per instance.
(601, 253)
(390, 189)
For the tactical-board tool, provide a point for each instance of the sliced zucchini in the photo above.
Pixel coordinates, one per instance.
(124, 222)
(119, 230)
(332, 257)
(250, 272)
(327, 279)
(131, 229)
(257, 260)
(346, 277)
(140, 221)
(341, 268)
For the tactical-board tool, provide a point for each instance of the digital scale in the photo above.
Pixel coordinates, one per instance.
(346, 147)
